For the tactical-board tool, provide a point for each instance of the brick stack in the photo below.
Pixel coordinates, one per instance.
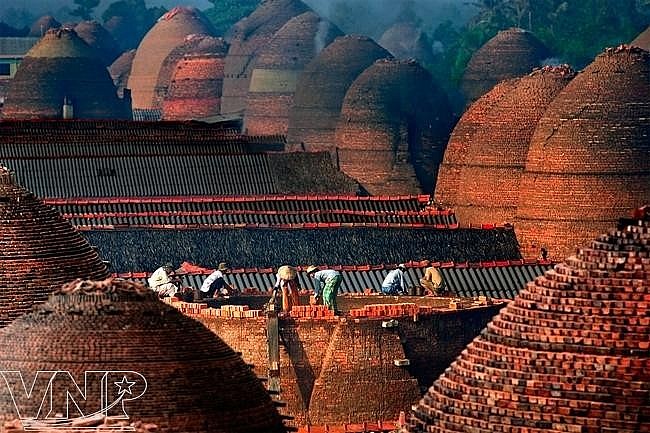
(311, 311)
(643, 40)
(570, 354)
(248, 37)
(588, 159)
(195, 382)
(406, 41)
(486, 154)
(387, 310)
(99, 39)
(196, 83)
(120, 70)
(168, 33)
(321, 88)
(39, 251)
(42, 25)
(61, 65)
(192, 45)
(393, 127)
(511, 53)
(277, 67)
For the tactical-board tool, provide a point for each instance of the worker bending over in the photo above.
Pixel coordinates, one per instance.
(328, 282)
(394, 282)
(287, 281)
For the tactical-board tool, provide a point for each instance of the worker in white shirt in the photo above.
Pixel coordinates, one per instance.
(162, 281)
(215, 285)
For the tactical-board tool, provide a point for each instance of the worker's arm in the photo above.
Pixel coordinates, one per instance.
(317, 286)
(402, 282)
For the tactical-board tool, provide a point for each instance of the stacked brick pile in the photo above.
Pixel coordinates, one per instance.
(486, 154)
(643, 40)
(99, 39)
(120, 70)
(387, 310)
(195, 382)
(247, 38)
(311, 311)
(277, 67)
(570, 354)
(406, 41)
(393, 128)
(321, 88)
(39, 251)
(227, 311)
(511, 53)
(192, 45)
(588, 159)
(61, 65)
(169, 32)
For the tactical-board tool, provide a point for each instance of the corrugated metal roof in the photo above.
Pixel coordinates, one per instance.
(465, 281)
(147, 115)
(16, 46)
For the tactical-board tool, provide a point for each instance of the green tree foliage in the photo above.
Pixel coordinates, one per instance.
(574, 30)
(129, 20)
(84, 8)
(224, 13)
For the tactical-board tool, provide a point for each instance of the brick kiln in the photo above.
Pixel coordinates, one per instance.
(168, 33)
(102, 42)
(588, 159)
(511, 53)
(191, 78)
(321, 88)
(42, 25)
(39, 251)
(486, 154)
(405, 41)
(393, 126)
(365, 367)
(195, 382)
(277, 68)
(569, 354)
(248, 36)
(643, 40)
(193, 44)
(120, 70)
(61, 65)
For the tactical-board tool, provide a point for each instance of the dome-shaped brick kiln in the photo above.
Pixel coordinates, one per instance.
(99, 39)
(120, 70)
(277, 68)
(321, 88)
(570, 353)
(486, 154)
(247, 37)
(588, 159)
(194, 381)
(405, 41)
(511, 53)
(39, 251)
(169, 32)
(393, 128)
(42, 25)
(61, 66)
(195, 90)
(193, 44)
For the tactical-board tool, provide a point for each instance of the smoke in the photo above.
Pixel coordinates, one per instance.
(320, 38)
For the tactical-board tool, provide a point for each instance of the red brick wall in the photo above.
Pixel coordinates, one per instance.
(335, 372)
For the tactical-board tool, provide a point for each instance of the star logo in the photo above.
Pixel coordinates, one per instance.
(124, 385)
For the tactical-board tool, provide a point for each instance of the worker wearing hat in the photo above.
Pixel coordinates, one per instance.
(216, 284)
(328, 282)
(163, 281)
(394, 282)
(287, 281)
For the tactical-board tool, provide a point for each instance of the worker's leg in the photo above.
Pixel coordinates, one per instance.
(330, 291)
(295, 298)
(429, 286)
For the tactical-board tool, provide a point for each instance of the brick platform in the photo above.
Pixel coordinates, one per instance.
(570, 354)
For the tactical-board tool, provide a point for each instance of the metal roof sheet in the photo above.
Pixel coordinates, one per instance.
(16, 46)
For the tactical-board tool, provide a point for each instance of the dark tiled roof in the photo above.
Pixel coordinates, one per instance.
(147, 115)
(133, 250)
(199, 212)
(495, 280)
(16, 46)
